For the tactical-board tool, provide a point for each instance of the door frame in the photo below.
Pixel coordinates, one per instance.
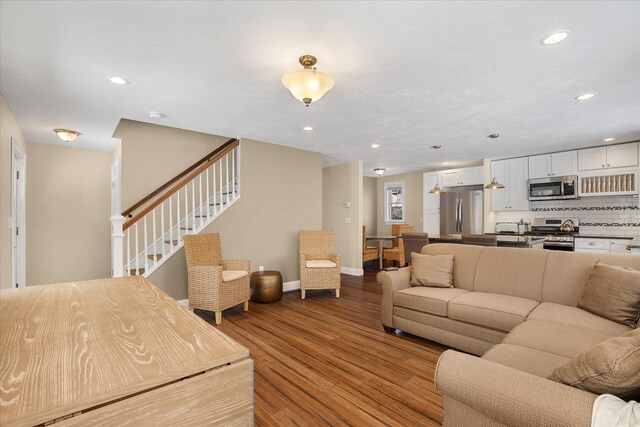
(115, 187)
(18, 215)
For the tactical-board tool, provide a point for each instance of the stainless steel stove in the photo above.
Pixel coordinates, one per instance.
(559, 232)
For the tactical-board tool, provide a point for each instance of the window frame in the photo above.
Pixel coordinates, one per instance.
(388, 187)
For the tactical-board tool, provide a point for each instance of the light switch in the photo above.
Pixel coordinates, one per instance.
(347, 220)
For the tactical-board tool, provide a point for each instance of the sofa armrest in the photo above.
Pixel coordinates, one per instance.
(509, 396)
(236, 264)
(392, 281)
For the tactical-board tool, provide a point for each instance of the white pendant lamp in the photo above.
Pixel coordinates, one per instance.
(307, 85)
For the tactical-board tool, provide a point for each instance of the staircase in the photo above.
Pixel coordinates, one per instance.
(185, 205)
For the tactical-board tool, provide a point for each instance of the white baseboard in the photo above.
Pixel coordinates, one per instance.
(291, 286)
(352, 271)
(184, 302)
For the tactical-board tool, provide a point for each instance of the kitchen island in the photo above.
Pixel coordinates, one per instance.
(532, 242)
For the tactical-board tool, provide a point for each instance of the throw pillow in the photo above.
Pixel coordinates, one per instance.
(612, 367)
(613, 292)
(432, 270)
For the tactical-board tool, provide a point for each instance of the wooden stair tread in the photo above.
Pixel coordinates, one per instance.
(136, 271)
(156, 256)
(171, 242)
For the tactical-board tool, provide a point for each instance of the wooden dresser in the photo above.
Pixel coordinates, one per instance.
(116, 352)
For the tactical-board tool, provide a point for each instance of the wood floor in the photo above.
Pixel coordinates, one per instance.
(327, 361)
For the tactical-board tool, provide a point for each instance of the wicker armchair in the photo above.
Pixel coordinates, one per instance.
(214, 284)
(368, 253)
(396, 252)
(319, 263)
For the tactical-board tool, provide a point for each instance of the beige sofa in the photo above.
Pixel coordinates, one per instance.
(516, 308)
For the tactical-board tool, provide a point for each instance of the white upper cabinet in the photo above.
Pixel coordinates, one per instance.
(614, 156)
(464, 176)
(513, 174)
(555, 164)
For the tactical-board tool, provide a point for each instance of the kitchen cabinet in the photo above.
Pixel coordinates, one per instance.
(431, 204)
(613, 156)
(602, 245)
(513, 174)
(463, 176)
(554, 164)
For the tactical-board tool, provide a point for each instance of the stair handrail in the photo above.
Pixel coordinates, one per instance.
(219, 153)
(154, 193)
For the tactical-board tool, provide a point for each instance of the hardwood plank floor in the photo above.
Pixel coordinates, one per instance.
(327, 361)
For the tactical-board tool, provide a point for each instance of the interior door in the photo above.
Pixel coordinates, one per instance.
(18, 215)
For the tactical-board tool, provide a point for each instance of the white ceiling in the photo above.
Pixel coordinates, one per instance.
(408, 75)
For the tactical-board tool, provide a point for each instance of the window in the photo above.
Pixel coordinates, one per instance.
(394, 202)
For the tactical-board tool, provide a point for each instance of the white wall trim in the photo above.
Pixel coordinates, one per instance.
(291, 286)
(184, 302)
(352, 271)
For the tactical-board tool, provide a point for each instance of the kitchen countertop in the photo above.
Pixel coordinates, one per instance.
(601, 236)
(512, 241)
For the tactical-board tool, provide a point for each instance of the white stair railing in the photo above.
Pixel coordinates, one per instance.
(144, 242)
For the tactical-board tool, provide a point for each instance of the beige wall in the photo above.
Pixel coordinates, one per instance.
(152, 154)
(370, 204)
(281, 193)
(68, 209)
(341, 184)
(413, 201)
(8, 129)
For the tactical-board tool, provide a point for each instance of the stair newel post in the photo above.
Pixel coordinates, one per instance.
(226, 159)
(117, 246)
(200, 201)
(206, 203)
(233, 172)
(238, 175)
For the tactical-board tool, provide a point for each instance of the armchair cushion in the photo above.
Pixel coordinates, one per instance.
(320, 263)
(229, 275)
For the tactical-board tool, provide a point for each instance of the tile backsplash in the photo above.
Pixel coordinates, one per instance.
(614, 215)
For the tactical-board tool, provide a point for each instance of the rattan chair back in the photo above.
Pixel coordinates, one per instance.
(317, 244)
(202, 249)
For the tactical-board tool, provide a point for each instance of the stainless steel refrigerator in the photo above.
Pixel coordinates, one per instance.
(461, 211)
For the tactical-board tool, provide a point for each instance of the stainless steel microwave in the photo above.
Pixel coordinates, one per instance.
(554, 188)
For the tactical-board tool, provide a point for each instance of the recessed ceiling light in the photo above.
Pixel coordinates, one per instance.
(609, 139)
(436, 147)
(379, 171)
(584, 96)
(67, 135)
(156, 115)
(555, 37)
(307, 128)
(118, 80)
(445, 163)
(375, 145)
(493, 135)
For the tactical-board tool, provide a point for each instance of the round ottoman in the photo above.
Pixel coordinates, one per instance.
(266, 286)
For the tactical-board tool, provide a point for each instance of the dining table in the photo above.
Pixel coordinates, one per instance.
(379, 239)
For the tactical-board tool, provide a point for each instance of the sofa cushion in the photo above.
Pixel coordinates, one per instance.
(229, 275)
(432, 270)
(466, 261)
(511, 271)
(574, 316)
(614, 293)
(536, 362)
(320, 263)
(495, 311)
(563, 340)
(611, 367)
(567, 272)
(426, 299)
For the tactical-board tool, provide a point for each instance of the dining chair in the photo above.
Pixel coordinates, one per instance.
(396, 252)
(413, 242)
(368, 253)
(479, 240)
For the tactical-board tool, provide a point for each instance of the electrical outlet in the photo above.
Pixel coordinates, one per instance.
(261, 268)
(347, 204)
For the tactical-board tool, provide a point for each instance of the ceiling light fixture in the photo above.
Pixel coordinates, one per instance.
(436, 188)
(375, 145)
(555, 37)
(118, 80)
(609, 139)
(436, 147)
(445, 163)
(379, 171)
(156, 115)
(494, 185)
(584, 96)
(67, 135)
(307, 85)
(307, 128)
